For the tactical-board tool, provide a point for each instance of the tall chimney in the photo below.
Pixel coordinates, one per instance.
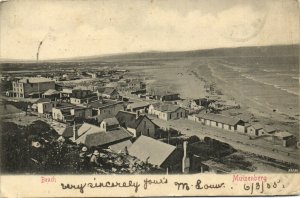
(185, 159)
(137, 115)
(75, 132)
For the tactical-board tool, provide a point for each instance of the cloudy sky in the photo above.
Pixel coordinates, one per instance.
(71, 28)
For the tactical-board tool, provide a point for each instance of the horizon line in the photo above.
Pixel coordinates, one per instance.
(134, 52)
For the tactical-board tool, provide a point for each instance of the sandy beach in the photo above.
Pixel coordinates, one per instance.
(187, 78)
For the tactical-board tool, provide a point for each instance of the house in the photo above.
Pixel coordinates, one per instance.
(91, 135)
(44, 107)
(67, 113)
(138, 106)
(109, 124)
(219, 121)
(51, 94)
(157, 153)
(167, 96)
(34, 106)
(131, 85)
(110, 93)
(105, 108)
(137, 124)
(284, 138)
(201, 102)
(167, 111)
(81, 112)
(66, 94)
(62, 114)
(80, 96)
(31, 87)
(84, 100)
(255, 129)
(259, 130)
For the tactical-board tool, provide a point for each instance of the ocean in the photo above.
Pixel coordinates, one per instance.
(270, 82)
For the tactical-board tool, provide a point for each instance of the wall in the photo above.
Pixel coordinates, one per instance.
(44, 108)
(146, 126)
(35, 87)
(57, 114)
(241, 128)
(251, 131)
(213, 124)
(109, 111)
(75, 101)
(133, 131)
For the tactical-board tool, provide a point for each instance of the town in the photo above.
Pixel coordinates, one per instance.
(111, 120)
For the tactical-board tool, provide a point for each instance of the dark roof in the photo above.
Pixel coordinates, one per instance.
(105, 138)
(137, 105)
(68, 132)
(43, 100)
(257, 126)
(104, 103)
(109, 90)
(129, 119)
(165, 107)
(219, 118)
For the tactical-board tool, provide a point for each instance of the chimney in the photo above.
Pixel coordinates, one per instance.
(137, 115)
(185, 159)
(75, 132)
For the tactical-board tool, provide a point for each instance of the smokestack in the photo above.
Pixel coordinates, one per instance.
(75, 132)
(185, 159)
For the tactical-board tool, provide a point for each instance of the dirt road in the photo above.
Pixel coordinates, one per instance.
(238, 141)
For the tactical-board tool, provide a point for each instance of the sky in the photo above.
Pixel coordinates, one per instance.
(76, 28)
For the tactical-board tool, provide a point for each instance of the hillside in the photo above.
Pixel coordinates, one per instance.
(278, 50)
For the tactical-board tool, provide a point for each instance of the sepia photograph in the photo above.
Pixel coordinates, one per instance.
(153, 87)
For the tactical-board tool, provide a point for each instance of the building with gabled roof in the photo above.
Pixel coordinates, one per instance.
(110, 93)
(166, 111)
(105, 109)
(109, 124)
(220, 121)
(91, 135)
(284, 138)
(137, 124)
(156, 153)
(258, 129)
(138, 106)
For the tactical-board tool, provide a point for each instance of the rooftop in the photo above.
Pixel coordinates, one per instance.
(165, 107)
(129, 119)
(151, 150)
(35, 80)
(111, 121)
(257, 126)
(42, 100)
(119, 147)
(109, 90)
(104, 103)
(283, 134)
(137, 105)
(50, 92)
(93, 136)
(219, 118)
